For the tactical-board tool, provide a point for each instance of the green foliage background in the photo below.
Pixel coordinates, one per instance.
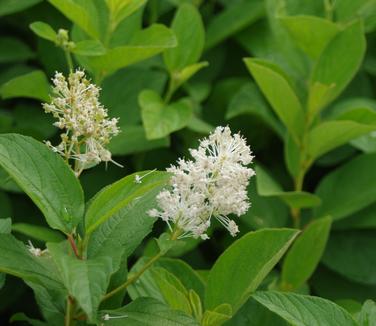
(295, 77)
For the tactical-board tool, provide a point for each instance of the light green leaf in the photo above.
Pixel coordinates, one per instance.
(37, 232)
(311, 33)
(249, 100)
(86, 280)
(348, 189)
(218, 316)
(305, 254)
(232, 20)
(10, 6)
(44, 30)
(180, 77)
(32, 85)
(46, 178)
(147, 286)
(280, 94)
(89, 48)
(367, 316)
(241, 268)
(148, 312)
(117, 219)
(81, 12)
(116, 196)
(303, 310)
(13, 50)
(172, 290)
(5, 227)
(16, 260)
(144, 44)
(133, 140)
(190, 34)
(268, 187)
(121, 9)
(351, 254)
(334, 70)
(159, 119)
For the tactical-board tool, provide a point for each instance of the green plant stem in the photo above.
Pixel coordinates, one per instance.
(175, 234)
(172, 87)
(68, 57)
(69, 312)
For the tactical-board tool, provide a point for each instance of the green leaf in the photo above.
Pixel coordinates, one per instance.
(44, 30)
(305, 254)
(232, 20)
(331, 134)
(268, 187)
(367, 316)
(160, 119)
(89, 48)
(249, 100)
(133, 140)
(13, 50)
(147, 284)
(351, 254)
(180, 77)
(148, 312)
(5, 228)
(279, 92)
(348, 189)
(190, 34)
(303, 310)
(37, 232)
(82, 13)
(86, 280)
(121, 9)
(32, 85)
(118, 195)
(22, 317)
(144, 44)
(172, 290)
(46, 178)
(311, 33)
(334, 70)
(16, 260)
(363, 219)
(242, 267)
(10, 6)
(117, 219)
(218, 316)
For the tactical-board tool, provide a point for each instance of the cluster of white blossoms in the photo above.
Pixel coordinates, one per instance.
(75, 104)
(213, 184)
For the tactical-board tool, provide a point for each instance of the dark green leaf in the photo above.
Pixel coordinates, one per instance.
(46, 178)
(242, 267)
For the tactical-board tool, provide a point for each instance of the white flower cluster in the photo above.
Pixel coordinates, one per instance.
(75, 104)
(214, 183)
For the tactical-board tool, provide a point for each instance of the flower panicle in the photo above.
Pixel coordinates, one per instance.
(87, 128)
(212, 184)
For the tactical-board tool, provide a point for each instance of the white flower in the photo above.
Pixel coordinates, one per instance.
(35, 251)
(213, 184)
(75, 104)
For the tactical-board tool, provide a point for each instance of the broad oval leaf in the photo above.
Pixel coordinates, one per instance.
(348, 189)
(190, 34)
(46, 178)
(242, 267)
(331, 134)
(118, 195)
(335, 70)
(305, 254)
(31, 85)
(311, 33)
(44, 30)
(160, 119)
(304, 310)
(279, 92)
(351, 254)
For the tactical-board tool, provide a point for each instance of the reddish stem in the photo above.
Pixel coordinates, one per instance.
(73, 245)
